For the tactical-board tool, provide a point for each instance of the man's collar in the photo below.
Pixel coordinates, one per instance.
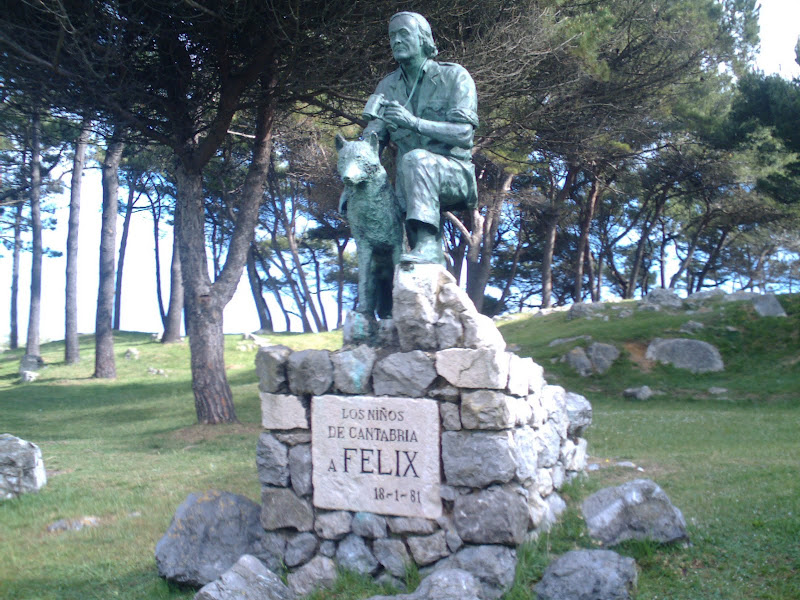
(422, 69)
(431, 69)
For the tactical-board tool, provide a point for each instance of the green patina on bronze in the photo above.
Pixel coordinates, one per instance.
(369, 203)
(429, 110)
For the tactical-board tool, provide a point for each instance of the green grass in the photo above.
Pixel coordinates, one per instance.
(129, 451)
(126, 451)
(729, 463)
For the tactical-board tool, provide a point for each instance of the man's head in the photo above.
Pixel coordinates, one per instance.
(409, 35)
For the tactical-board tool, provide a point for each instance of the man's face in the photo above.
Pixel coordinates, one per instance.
(404, 39)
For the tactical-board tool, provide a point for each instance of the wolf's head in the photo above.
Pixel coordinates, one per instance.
(358, 161)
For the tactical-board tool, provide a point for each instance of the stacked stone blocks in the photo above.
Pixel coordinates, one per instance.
(508, 441)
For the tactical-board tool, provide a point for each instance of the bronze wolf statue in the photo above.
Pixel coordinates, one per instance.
(370, 206)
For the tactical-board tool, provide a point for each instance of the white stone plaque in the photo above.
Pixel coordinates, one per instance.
(378, 455)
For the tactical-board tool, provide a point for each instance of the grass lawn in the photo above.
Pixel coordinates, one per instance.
(128, 452)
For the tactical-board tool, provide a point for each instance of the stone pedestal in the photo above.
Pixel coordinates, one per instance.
(458, 452)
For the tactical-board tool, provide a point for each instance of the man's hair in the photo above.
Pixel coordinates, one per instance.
(425, 33)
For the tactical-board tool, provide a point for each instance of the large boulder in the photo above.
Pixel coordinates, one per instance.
(602, 356)
(581, 310)
(637, 509)
(704, 296)
(248, 579)
(579, 360)
(588, 575)
(693, 355)
(768, 306)
(664, 298)
(443, 584)
(638, 393)
(598, 358)
(432, 312)
(414, 294)
(208, 534)
(21, 467)
(740, 295)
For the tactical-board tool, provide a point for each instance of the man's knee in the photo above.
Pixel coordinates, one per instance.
(417, 160)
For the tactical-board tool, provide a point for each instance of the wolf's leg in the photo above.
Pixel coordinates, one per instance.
(366, 279)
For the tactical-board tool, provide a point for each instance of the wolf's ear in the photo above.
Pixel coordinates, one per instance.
(340, 141)
(372, 139)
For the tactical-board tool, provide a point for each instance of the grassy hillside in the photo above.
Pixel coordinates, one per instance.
(128, 452)
(729, 462)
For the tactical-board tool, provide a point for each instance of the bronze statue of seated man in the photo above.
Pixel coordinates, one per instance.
(429, 110)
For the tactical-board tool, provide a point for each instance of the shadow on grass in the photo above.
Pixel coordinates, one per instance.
(83, 586)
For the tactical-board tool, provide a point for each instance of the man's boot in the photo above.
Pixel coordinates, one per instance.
(426, 245)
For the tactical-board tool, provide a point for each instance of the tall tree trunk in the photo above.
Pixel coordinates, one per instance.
(589, 261)
(690, 251)
(34, 314)
(123, 245)
(456, 244)
(301, 276)
(155, 211)
(205, 301)
(551, 228)
(212, 394)
(479, 271)
(662, 257)
(583, 241)
(13, 333)
(264, 318)
(474, 237)
(172, 322)
(104, 364)
(710, 262)
(599, 279)
(293, 287)
(511, 274)
(275, 291)
(71, 346)
(318, 277)
(647, 227)
(551, 224)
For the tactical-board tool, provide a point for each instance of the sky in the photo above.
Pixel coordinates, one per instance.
(780, 28)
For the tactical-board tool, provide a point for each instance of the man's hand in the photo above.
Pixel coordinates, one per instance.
(399, 116)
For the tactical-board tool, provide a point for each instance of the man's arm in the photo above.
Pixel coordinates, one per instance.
(453, 134)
